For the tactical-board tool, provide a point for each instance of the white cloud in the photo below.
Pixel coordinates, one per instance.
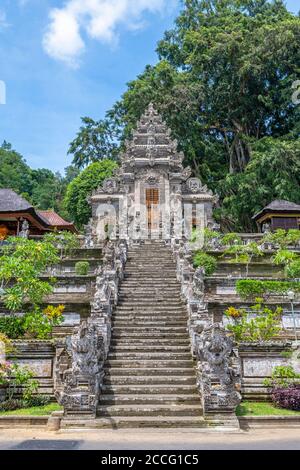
(3, 20)
(99, 19)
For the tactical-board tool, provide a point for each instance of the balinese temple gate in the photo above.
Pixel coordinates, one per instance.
(151, 196)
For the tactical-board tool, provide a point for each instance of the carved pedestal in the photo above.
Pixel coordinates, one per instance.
(218, 375)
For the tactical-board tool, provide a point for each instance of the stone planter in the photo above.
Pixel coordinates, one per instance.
(3, 391)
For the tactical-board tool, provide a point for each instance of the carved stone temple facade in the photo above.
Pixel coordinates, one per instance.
(151, 195)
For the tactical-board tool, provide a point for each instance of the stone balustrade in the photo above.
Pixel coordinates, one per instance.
(80, 358)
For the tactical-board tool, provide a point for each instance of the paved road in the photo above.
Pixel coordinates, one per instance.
(284, 439)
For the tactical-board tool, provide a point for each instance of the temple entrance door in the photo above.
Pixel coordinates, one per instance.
(152, 204)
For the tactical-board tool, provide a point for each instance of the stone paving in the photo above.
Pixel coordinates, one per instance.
(150, 439)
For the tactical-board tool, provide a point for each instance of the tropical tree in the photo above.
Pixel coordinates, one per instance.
(96, 140)
(223, 83)
(82, 186)
(21, 263)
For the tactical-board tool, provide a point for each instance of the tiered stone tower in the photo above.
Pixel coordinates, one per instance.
(151, 195)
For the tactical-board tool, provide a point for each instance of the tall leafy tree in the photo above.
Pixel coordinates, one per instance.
(272, 173)
(223, 83)
(95, 140)
(245, 54)
(14, 171)
(82, 186)
(43, 188)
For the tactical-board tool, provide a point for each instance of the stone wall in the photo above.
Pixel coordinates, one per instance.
(257, 363)
(39, 357)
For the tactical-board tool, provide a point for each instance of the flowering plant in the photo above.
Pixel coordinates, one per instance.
(54, 314)
(5, 373)
(263, 326)
(233, 312)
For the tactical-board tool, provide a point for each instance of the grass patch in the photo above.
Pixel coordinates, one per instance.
(249, 408)
(34, 411)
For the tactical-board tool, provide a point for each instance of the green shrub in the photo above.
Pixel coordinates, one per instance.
(284, 256)
(263, 327)
(283, 238)
(209, 263)
(19, 403)
(231, 239)
(11, 405)
(65, 242)
(292, 270)
(283, 377)
(248, 288)
(39, 324)
(21, 263)
(20, 379)
(13, 327)
(82, 268)
(36, 400)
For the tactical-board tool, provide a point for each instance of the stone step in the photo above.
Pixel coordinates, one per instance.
(136, 422)
(163, 306)
(150, 317)
(150, 376)
(158, 364)
(146, 253)
(161, 287)
(160, 305)
(148, 323)
(138, 355)
(148, 389)
(159, 335)
(161, 273)
(173, 321)
(148, 371)
(172, 280)
(151, 261)
(149, 410)
(149, 271)
(146, 288)
(149, 298)
(145, 347)
(149, 341)
(159, 309)
(145, 277)
(144, 329)
(150, 346)
(151, 380)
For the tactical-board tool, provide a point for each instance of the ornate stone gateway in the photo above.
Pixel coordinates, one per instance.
(151, 195)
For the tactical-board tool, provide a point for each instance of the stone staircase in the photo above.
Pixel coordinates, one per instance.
(150, 378)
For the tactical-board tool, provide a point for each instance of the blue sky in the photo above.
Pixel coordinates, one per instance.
(63, 59)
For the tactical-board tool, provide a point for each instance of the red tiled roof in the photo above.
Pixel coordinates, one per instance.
(54, 219)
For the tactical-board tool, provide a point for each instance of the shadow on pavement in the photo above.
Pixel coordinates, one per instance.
(39, 444)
